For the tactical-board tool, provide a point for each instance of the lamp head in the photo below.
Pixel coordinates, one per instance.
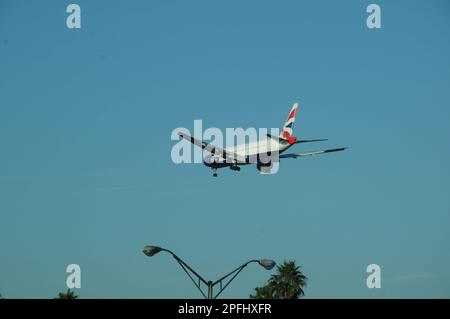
(151, 250)
(267, 263)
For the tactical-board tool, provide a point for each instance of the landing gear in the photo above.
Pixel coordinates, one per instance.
(235, 168)
(214, 172)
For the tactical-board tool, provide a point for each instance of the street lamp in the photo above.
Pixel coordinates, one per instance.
(266, 263)
(151, 250)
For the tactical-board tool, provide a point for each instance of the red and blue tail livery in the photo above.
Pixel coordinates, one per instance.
(286, 133)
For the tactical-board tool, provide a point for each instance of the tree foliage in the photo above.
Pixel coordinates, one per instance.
(69, 294)
(287, 283)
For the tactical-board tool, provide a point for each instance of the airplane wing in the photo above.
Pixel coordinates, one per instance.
(295, 155)
(229, 156)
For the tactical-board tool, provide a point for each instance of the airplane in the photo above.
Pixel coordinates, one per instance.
(264, 153)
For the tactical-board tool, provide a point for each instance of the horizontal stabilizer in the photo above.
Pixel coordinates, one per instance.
(309, 141)
(278, 139)
(295, 155)
(283, 140)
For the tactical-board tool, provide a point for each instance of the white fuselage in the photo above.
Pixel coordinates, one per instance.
(252, 149)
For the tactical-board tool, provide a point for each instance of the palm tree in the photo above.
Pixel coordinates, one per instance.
(287, 283)
(264, 292)
(69, 294)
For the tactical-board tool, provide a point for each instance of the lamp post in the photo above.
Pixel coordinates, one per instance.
(266, 263)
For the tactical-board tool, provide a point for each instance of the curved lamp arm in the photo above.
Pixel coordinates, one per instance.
(153, 250)
(266, 263)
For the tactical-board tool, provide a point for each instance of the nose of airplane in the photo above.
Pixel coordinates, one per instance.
(207, 160)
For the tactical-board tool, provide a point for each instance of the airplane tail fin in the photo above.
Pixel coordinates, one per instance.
(286, 133)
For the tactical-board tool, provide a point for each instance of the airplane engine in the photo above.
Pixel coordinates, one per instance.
(264, 168)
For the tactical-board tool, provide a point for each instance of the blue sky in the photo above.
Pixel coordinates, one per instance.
(86, 116)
